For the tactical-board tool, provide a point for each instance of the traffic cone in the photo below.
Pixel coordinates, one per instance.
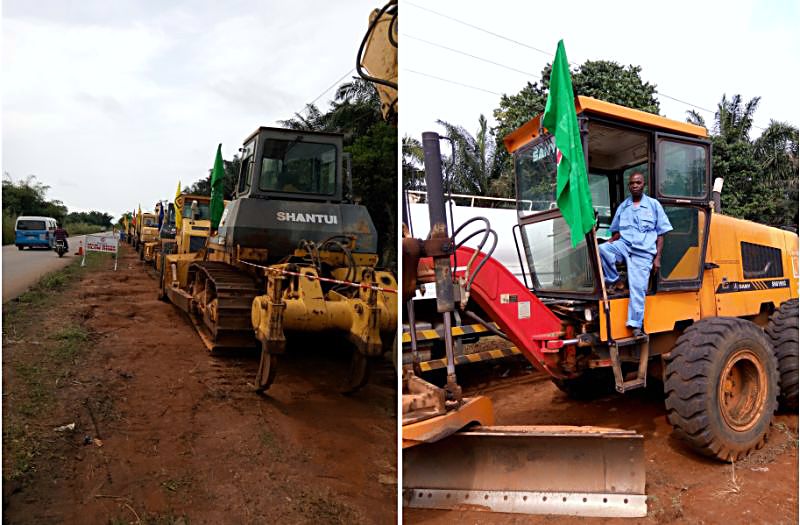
(80, 248)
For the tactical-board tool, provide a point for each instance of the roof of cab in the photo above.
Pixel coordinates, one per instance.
(530, 130)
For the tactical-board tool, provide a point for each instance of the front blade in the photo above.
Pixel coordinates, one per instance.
(579, 471)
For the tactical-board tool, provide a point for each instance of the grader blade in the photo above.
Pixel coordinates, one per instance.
(576, 471)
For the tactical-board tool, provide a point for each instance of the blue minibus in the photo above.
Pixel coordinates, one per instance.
(35, 232)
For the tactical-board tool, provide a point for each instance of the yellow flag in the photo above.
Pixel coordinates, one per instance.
(178, 208)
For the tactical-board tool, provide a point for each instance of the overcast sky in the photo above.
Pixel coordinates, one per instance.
(693, 51)
(111, 103)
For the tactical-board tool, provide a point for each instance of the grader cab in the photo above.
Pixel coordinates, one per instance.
(722, 283)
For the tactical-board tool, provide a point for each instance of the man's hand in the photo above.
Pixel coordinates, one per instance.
(656, 264)
(614, 237)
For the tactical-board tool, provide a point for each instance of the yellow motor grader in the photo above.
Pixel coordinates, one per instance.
(721, 322)
(292, 254)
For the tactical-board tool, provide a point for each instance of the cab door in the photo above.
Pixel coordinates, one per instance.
(683, 187)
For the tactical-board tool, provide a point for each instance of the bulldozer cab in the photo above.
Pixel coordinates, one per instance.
(291, 165)
(673, 157)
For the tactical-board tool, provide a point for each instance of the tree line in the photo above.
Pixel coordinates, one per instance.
(28, 196)
(761, 174)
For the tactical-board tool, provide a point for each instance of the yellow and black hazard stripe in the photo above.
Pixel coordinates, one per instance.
(456, 331)
(750, 286)
(486, 355)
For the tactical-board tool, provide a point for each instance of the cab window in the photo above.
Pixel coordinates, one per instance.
(682, 169)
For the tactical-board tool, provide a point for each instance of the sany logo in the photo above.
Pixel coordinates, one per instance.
(313, 218)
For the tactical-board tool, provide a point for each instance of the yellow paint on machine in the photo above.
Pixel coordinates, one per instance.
(661, 312)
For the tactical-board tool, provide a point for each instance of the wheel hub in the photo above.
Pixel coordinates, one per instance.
(742, 390)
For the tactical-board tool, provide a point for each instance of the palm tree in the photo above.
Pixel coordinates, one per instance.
(734, 121)
(475, 166)
(314, 120)
(693, 117)
(776, 151)
(356, 106)
(413, 170)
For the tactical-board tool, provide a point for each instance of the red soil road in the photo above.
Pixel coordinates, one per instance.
(682, 487)
(185, 438)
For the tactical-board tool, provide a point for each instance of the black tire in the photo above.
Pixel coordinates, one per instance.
(591, 384)
(21, 248)
(782, 332)
(722, 387)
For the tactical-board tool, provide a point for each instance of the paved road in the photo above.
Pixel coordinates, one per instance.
(22, 269)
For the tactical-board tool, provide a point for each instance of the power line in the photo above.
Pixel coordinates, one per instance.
(523, 44)
(471, 56)
(452, 82)
(299, 112)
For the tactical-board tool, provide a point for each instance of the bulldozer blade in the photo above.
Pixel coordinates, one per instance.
(576, 471)
(358, 373)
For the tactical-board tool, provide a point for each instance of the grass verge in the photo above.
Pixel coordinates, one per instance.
(42, 341)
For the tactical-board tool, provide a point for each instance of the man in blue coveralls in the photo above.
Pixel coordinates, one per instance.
(637, 236)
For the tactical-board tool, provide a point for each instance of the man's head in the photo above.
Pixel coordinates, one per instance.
(636, 185)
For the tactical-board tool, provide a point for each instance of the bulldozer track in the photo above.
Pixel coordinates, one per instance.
(233, 291)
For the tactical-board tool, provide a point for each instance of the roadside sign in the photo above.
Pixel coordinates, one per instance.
(101, 243)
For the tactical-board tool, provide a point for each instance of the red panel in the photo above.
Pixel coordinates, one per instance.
(519, 313)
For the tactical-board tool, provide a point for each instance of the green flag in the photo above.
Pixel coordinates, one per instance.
(217, 201)
(572, 183)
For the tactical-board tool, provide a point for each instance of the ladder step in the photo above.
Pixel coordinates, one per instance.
(622, 386)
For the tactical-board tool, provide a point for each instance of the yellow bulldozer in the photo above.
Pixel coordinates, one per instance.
(146, 231)
(292, 253)
(721, 324)
(191, 236)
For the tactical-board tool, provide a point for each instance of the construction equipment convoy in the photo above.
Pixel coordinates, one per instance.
(292, 254)
(721, 314)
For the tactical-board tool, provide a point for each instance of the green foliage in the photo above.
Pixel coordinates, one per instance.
(375, 184)
(82, 228)
(27, 197)
(476, 169)
(600, 79)
(413, 169)
(93, 217)
(8, 227)
(203, 186)
(760, 176)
